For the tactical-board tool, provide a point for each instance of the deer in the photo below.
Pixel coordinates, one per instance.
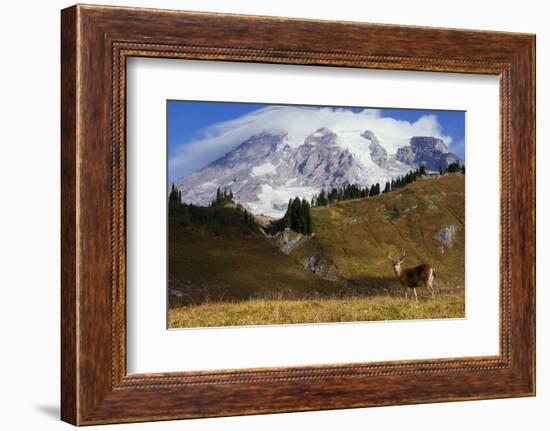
(411, 278)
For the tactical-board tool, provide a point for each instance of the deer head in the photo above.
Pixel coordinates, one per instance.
(396, 262)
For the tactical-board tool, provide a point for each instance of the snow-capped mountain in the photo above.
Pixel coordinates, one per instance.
(268, 168)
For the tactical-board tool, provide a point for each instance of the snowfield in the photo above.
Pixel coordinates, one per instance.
(273, 202)
(264, 169)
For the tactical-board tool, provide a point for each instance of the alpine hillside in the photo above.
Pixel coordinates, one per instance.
(225, 270)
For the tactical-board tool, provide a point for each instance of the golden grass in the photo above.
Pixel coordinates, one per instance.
(276, 312)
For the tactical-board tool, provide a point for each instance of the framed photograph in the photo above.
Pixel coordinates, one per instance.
(263, 214)
(269, 221)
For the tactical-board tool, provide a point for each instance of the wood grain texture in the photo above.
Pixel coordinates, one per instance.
(96, 41)
(69, 397)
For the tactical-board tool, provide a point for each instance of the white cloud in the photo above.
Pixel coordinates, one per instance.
(299, 122)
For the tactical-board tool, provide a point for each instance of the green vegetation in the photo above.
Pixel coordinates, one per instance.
(223, 198)
(353, 191)
(453, 168)
(174, 198)
(222, 216)
(298, 216)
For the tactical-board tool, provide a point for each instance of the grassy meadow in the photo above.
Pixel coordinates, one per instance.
(325, 310)
(241, 277)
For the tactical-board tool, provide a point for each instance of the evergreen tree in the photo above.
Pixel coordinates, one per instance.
(387, 188)
(295, 215)
(287, 216)
(341, 195)
(372, 190)
(298, 216)
(223, 198)
(303, 217)
(453, 168)
(322, 200)
(396, 213)
(174, 194)
(307, 227)
(309, 220)
(174, 200)
(333, 195)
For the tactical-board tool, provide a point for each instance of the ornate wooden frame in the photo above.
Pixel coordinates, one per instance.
(95, 43)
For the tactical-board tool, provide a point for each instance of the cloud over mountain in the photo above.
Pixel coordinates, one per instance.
(298, 122)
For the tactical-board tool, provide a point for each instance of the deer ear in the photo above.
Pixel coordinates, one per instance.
(402, 259)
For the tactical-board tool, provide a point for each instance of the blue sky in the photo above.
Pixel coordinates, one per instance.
(187, 120)
(192, 124)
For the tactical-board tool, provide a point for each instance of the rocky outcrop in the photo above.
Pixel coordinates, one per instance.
(321, 163)
(378, 153)
(287, 244)
(427, 151)
(321, 267)
(406, 155)
(446, 236)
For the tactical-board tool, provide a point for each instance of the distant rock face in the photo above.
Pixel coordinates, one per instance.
(446, 236)
(266, 170)
(321, 163)
(406, 155)
(378, 153)
(427, 151)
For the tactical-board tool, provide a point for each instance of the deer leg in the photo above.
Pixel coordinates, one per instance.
(430, 289)
(415, 295)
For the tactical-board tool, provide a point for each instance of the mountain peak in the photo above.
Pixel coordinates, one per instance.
(267, 169)
(322, 136)
(426, 151)
(429, 143)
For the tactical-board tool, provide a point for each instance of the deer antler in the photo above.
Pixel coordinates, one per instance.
(402, 258)
(388, 255)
